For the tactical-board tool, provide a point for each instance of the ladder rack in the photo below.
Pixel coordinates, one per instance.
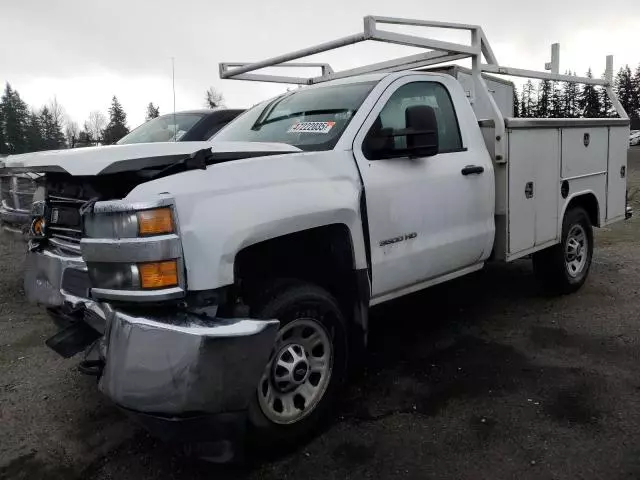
(437, 52)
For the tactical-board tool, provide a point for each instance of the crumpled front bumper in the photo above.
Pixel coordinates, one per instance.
(162, 365)
(48, 279)
(180, 363)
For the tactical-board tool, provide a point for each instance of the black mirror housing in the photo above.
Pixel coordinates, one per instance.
(423, 141)
(421, 133)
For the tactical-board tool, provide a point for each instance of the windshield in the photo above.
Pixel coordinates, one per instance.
(167, 128)
(310, 119)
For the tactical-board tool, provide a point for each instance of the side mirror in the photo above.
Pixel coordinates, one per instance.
(421, 135)
(422, 131)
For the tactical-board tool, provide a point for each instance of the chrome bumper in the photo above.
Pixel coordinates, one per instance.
(43, 278)
(169, 364)
(180, 363)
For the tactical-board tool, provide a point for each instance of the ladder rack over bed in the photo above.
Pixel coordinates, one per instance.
(437, 52)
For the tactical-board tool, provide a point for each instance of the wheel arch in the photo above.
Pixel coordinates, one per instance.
(588, 201)
(324, 255)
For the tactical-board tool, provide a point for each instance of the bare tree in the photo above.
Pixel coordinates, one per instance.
(213, 99)
(71, 131)
(95, 125)
(57, 112)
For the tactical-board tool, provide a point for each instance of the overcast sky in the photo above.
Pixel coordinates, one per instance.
(84, 52)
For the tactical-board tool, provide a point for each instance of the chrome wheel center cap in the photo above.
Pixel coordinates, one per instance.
(290, 368)
(300, 371)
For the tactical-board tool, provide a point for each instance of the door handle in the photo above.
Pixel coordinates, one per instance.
(472, 170)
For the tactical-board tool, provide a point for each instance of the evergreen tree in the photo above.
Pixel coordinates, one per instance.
(556, 108)
(636, 85)
(35, 140)
(528, 105)
(117, 126)
(627, 92)
(84, 138)
(589, 100)
(152, 111)
(516, 102)
(53, 138)
(15, 115)
(544, 99)
(605, 101)
(570, 99)
(3, 146)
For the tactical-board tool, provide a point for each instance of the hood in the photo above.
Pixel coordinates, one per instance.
(120, 158)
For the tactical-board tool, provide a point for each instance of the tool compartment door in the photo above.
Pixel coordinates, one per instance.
(617, 173)
(584, 151)
(534, 167)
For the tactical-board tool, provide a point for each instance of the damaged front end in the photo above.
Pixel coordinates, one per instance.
(112, 273)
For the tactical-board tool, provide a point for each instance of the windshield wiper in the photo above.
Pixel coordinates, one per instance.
(328, 111)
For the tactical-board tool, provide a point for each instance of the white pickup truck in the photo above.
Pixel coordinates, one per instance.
(224, 287)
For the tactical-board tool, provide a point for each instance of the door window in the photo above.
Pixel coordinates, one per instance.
(431, 94)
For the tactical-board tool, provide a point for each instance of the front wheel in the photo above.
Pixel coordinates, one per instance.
(564, 268)
(306, 369)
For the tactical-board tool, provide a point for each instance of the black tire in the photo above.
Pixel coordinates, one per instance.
(551, 266)
(288, 300)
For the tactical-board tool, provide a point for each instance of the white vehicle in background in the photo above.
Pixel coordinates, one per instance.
(16, 190)
(222, 289)
(634, 138)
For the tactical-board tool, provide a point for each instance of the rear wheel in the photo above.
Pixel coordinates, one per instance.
(564, 268)
(307, 366)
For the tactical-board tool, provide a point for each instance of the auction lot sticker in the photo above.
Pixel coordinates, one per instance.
(311, 127)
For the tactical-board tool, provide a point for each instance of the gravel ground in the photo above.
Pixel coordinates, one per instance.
(479, 378)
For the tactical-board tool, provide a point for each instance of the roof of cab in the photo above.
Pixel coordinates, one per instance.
(205, 111)
(374, 77)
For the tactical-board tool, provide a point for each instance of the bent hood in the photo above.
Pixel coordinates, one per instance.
(121, 158)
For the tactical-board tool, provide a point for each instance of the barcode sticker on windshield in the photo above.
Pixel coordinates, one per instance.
(311, 127)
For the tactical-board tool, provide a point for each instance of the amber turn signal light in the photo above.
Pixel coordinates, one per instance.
(155, 222)
(158, 274)
(37, 227)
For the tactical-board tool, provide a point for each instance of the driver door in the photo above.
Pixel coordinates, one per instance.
(428, 216)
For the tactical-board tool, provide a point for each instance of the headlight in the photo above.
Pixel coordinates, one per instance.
(111, 225)
(133, 251)
(157, 221)
(114, 276)
(134, 276)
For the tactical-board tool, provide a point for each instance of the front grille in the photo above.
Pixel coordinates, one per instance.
(17, 192)
(64, 222)
(25, 185)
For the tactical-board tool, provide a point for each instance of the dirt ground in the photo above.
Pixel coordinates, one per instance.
(479, 378)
